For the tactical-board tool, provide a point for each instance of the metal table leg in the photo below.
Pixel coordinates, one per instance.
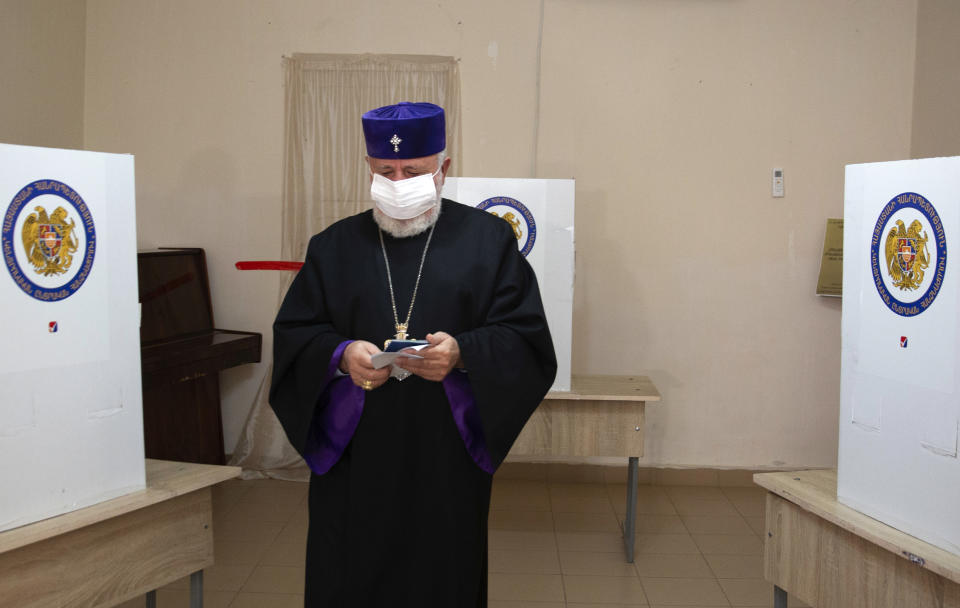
(779, 597)
(196, 592)
(196, 589)
(629, 526)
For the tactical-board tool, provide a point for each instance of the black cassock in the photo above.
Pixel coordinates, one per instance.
(400, 518)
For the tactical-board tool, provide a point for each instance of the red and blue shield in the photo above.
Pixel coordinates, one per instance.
(49, 239)
(906, 253)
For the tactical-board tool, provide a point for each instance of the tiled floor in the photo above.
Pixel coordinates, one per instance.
(552, 545)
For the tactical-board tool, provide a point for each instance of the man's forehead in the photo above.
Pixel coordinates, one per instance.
(402, 163)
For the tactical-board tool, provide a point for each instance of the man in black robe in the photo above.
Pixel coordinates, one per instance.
(403, 457)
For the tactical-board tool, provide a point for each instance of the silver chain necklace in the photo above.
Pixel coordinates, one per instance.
(402, 327)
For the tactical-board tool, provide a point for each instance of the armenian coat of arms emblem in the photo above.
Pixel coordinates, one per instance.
(516, 214)
(49, 254)
(49, 241)
(908, 254)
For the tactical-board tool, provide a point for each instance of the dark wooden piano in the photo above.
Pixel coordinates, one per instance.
(181, 356)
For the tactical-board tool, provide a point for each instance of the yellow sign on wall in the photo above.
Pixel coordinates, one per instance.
(830, 282)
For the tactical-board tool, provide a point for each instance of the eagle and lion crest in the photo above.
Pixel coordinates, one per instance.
(49, 241)
(907, 255)
(513, 220)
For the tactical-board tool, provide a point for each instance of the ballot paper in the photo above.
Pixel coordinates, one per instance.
(381, 360)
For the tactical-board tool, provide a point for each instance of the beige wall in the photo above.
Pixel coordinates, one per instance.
(41, 71)
(936, 94)
(670, 115)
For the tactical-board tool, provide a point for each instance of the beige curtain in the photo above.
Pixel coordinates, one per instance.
(325, 180)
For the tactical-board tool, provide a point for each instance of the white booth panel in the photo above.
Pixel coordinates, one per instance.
(71, 422)
(899, 400)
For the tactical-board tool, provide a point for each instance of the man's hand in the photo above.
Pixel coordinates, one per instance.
(439, 358)
(356, 362)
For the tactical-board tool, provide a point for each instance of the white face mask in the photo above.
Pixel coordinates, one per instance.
(406, 198)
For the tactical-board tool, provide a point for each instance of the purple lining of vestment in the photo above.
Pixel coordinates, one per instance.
(467, 416)
(335, 419)
(341, 405)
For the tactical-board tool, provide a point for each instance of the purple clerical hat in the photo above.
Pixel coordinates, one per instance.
(405, 130)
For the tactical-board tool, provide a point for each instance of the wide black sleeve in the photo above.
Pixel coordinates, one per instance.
(304, 341)
(510, 358)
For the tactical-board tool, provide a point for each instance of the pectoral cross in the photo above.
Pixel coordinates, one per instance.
(401, 331)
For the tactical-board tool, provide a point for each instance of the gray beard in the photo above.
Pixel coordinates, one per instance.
(404, 228)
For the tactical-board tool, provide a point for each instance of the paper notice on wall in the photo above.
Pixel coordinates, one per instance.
(54, 283)
(830, 280)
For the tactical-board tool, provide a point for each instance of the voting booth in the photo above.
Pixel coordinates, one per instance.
(71, 426)
(541, 213)
(899, 395)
